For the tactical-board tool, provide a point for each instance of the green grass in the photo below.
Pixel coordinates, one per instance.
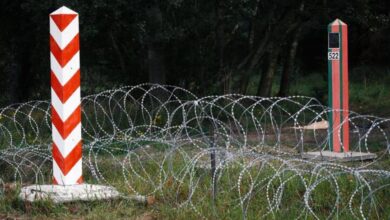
(170, 200)
(12, 207)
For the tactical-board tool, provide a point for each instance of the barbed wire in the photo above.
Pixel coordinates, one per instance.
(236, 152)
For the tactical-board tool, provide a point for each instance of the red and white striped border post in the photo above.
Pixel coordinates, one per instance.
(338, 86)
(66, 119)
(65, 97)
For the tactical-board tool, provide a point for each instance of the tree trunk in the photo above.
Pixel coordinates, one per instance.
(26, 79)
(156, 65)
(265, 85)
(290, 61)
(245, 75)
(289, 65)
(251, 35)
(254, 61)
(219, 34)
(19, 73)
(122, 63)
(155, 45)
(244, 82)
(13, 70)
(219, 44)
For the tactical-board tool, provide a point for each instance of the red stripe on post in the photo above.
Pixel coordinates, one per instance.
(63, 20)
(67, 163)
(65, 55)
(80, 180)
(66, 127)
(54, 181)
(64, 92)
(345, 86)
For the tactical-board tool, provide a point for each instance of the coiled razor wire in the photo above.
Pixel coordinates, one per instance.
(216, 154)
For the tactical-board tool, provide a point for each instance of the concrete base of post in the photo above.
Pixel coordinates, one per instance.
(61, 194)
(342, 157)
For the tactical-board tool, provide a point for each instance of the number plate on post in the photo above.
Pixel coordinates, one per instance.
(333, 55)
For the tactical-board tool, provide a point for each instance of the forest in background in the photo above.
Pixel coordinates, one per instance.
(255, 47)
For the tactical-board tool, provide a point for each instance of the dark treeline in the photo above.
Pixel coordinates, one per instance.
(208, 46)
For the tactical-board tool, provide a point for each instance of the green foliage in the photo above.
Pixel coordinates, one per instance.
(369, 90)
(313, 85)
(208, 46)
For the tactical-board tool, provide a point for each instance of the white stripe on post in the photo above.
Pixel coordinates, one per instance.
(65, 97)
